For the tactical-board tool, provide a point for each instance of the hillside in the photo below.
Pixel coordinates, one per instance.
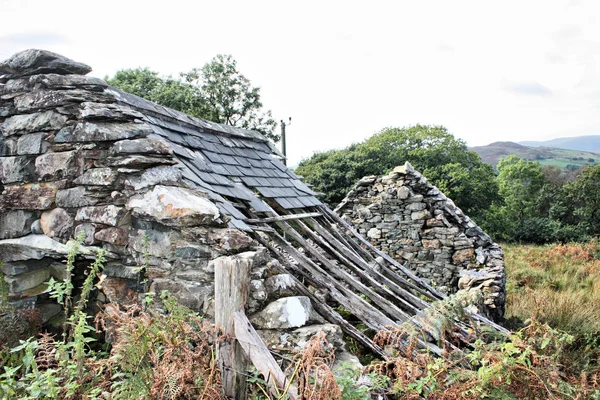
(582, 143)
(493, 152)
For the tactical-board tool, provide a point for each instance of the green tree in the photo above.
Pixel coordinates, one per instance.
(443, 159)
(217, 92)
(231, 97)
(165, 91)
(583, 195)
(517, 216)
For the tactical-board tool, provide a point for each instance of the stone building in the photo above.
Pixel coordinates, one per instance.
(414, 222)
(167, 196)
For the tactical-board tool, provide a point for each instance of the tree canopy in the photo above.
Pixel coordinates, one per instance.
(441, 157)
(217, 92)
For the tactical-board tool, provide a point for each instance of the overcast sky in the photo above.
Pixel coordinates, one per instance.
(343, 70)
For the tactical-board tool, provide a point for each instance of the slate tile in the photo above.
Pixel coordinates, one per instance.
(267, 191)
(258, 172)
(250, 181)
(292, 174)
(231, 170)
(229, 159)
(222, 180)
(263, 182)
(214, 157)
(232, 211)
(283, 202)
(271, 173)
(258, 205)
(255, 163)
(276, 182)
(243, 161)
(226, 141)
(250, 153)
(301, 186)
(241, 225)
(295, 202)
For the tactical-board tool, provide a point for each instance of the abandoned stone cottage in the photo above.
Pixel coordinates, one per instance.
(408, 218)
(172, 193)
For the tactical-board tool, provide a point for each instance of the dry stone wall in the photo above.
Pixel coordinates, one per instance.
(413, 221)
(73, 163)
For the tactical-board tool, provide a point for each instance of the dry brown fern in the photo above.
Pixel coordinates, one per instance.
(313, 370)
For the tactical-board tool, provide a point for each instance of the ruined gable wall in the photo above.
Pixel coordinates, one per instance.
(411, 220)
(74, 162)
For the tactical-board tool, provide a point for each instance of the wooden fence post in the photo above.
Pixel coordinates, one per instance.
(232, 275)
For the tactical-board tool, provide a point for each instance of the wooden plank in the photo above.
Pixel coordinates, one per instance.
(363, 273)
(368, 314)
(261, 357)
(282, 218)
(232, 282)
(360, 266)
(386, 307)
(322, 308)
(386, 257)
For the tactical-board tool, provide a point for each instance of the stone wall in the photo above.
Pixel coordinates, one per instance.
(74, 162)
(414, 222)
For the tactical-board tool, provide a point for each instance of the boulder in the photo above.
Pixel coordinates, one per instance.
(295, 340)
(32, 143)
(101, 111)
(49, 99)
(27, 280)
(280, 285)
(174, 206)
(150, 145)
(162, 175)
(102, 132)
(78, 196)
(284, 313)
(36, 122)
(16, 223)
(57, 223)
(34, 61)
(230, 240)
(55, 166)
(190, 294)
(106, 215)
(97, 177)
(30, 196)
(88, 231)
(17, 169)
(117, 236)
(117, 291)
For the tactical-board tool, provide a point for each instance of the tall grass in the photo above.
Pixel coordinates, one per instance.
(557, 284)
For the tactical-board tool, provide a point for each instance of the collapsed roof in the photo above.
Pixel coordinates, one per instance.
(239, 170)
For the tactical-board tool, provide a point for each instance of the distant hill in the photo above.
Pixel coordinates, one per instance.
(582, 143)
(563, 158)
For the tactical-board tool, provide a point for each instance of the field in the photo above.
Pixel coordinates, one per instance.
(559, 285)
(562, 158)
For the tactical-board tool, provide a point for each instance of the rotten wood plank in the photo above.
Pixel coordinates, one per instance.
(282, 218)
(322, 308)
(386, 306)
(386, 257)
(262, 358)
(232, 283)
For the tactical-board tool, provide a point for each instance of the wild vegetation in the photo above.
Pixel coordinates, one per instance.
(559, 285)
(165, 351)
(521, 201)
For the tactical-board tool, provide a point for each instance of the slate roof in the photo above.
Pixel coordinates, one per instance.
(227, 163)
